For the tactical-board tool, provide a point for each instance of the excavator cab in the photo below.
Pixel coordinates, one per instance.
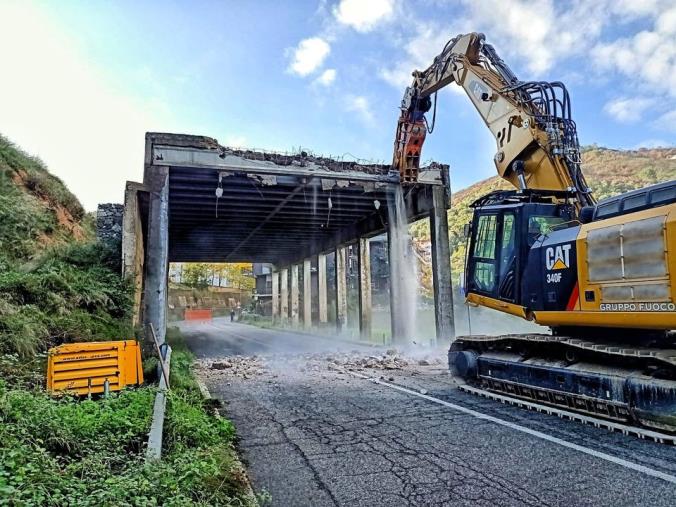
(505, 227)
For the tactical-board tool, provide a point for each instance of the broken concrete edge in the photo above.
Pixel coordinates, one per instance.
(299, 158)
(204, 390)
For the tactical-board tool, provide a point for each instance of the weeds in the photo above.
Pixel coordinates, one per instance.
(73, 293)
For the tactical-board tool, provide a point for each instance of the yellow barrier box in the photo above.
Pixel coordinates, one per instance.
(86, 368)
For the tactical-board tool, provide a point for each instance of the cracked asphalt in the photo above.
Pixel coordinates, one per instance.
(312, 435)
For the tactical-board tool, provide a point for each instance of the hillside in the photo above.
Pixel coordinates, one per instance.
(608, 172)
(36, 208)
(56, 283)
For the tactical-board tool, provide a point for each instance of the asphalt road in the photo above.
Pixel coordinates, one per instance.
(312, 435)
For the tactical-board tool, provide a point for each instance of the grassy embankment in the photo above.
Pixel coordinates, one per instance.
(57, 285)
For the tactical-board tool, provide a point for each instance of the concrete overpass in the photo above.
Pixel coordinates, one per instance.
(203, 202)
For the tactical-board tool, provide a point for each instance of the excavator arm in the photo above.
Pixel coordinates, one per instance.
(537, 145)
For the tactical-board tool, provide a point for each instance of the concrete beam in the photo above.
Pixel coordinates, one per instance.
(365, 288)
(284, 304)
(294, 295)
(275, 295)
(307, 293)
(341, 288)
(441, 267)
(323, 289)
(157, 251)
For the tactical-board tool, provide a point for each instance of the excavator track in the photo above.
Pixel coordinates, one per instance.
(630, 388)
(637, 431)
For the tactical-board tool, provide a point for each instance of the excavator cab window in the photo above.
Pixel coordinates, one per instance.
(500, 241)
(483, 254)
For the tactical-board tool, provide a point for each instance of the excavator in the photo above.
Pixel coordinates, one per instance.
(600, 275)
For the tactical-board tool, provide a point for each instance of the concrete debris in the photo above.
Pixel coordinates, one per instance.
(233, 366)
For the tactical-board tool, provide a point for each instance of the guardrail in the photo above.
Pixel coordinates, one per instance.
(154, 449)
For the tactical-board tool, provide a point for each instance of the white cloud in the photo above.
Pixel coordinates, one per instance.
(648, 57)
(55, 104)
(667, 121)
(628, 109)
(359, 104)
(309, 55)
(362, 15)
(327, 77)
(653, 143)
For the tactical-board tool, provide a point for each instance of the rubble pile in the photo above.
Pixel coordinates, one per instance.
(231, 366)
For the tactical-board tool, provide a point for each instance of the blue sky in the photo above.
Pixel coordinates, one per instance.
(82, 81)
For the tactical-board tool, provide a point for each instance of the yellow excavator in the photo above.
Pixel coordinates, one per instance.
(601, 276)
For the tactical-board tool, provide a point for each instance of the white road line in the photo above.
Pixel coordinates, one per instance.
(564, 443)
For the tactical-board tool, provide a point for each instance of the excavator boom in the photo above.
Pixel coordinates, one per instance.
(536, 138)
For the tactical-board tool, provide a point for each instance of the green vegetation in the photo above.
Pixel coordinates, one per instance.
(57, 285)
(72, 293)
(91, 452)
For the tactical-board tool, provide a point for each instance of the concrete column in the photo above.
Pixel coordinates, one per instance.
(341, 288)
(322, 296)
(133, 247)
(157, 258)
(284, 295)
(364, 288)
(307, 293)
(275, 295)
(397, 286)
(441, 266)
(294, 294)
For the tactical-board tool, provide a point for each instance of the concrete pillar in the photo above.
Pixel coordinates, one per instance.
(284, 295)
(307, 293)
(441, 266)
(294, 295)
(275, 295)
(323, 287)
(157, 258)
(133, 253)
(364, 288)
(397, 285)
(341, 288)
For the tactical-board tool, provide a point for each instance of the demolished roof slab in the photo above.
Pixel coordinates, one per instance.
(277, 208)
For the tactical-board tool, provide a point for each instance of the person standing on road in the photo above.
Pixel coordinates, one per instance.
(232, 315)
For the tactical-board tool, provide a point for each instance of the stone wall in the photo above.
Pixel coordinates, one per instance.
(109, 223)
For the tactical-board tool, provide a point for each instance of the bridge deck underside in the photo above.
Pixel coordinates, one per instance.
(295, 217)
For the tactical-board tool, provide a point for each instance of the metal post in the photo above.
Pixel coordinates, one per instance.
(364, 288)
(322, 296)
(441, 266)
(157, 251)
(307, 293)
(341, 288)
